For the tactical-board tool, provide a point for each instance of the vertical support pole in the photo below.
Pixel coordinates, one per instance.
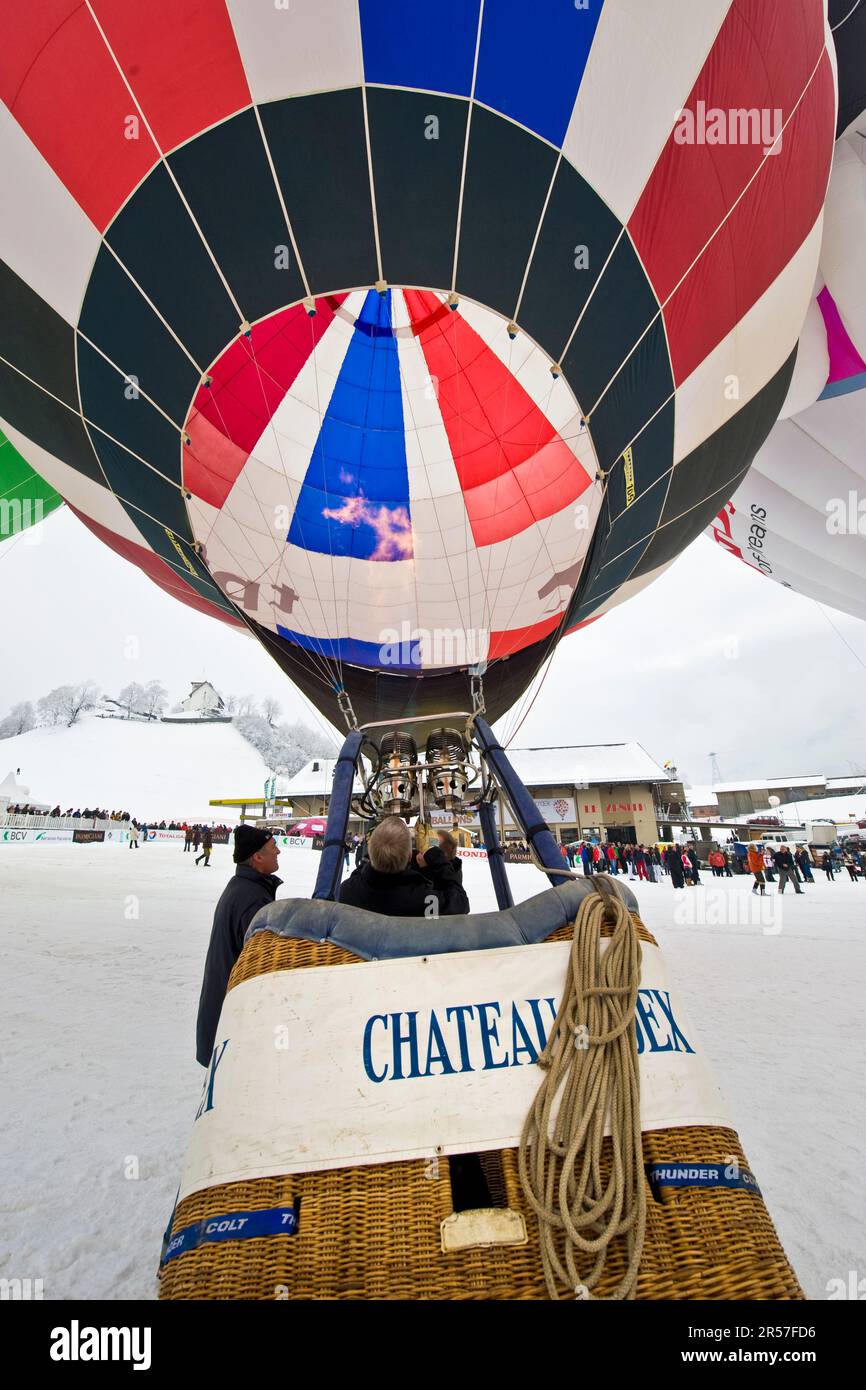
(331, 867)
(535, 830)
(495, 860)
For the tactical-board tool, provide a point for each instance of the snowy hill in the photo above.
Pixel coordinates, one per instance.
(154, 771)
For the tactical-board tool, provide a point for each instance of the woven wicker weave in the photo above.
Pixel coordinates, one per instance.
(374, 1232)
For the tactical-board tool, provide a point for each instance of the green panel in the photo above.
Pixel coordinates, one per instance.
(25, 498)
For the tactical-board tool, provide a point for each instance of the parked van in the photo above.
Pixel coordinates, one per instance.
(783, 837)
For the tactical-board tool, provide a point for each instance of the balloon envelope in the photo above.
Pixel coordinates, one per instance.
(799, 516)
(25, 498)
(410, 337)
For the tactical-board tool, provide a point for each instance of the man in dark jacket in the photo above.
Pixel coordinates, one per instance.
(254, 885)
(397, 883)
(784, 861)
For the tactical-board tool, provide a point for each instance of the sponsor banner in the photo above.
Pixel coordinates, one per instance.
(516, 856)
(67, 836)
(472, 853)
(444, 820)
(11, 836)
(336, 1067)
(294, 841)
(693, 1174)
(556, 810)
(236, 1225)
(219, 837)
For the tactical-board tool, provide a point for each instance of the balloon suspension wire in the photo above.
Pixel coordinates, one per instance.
(497, 436)
(856, 655)
(316, 661)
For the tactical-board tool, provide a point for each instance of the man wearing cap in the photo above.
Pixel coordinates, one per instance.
(254, 885)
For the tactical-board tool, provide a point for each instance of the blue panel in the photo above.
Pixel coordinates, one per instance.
(843, 387)
(410, 43)
(355, 497)
(531, 60)
(397, 656)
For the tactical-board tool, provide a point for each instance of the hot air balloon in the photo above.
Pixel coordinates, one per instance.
(25, 498)
(409, 338)
(799, 516)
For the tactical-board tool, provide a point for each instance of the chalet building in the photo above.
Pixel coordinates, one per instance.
(203, 699)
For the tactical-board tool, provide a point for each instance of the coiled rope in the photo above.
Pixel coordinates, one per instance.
(592, 1072)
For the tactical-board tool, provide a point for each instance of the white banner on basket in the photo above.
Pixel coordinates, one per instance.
(369, 1063)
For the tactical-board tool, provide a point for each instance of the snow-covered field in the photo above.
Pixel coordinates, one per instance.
(154, 771)
(104, 949)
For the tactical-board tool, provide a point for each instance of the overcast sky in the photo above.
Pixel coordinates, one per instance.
(712, 657)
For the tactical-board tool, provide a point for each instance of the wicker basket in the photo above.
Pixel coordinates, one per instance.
(374, 1232)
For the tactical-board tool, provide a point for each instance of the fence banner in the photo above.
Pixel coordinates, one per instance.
(12, 836)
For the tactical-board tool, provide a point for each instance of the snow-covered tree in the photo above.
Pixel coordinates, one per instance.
(271, 710)
(20, 720)
(243, 705)
(284, 747)
(64, 704)
(51, 707)
(131, 698)
(300, 743)
(259, 733)
(154, 699)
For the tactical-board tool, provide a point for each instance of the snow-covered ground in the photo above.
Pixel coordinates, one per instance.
(103, 952)
(154, 771)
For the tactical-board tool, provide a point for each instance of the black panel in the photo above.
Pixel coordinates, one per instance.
(849, 25)
(638, 391)
(556, 289)
(508, 173)
(616, 316)
(319, 151)
(651, 458)
(228, 182)
(618, 552)
(36, 339)
(109, 402)
(180, 556)
(623, 528)
(672, 537)
(722, 457)
(417, 183)
(378, 696)
(47, 423)
(123, 325)
(155, 238)
(142, 487)
(708, 476)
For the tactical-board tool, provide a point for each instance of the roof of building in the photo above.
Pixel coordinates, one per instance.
(588, 764)
(605, 764)
(768, 783)
(313, 779)
(701, 796)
